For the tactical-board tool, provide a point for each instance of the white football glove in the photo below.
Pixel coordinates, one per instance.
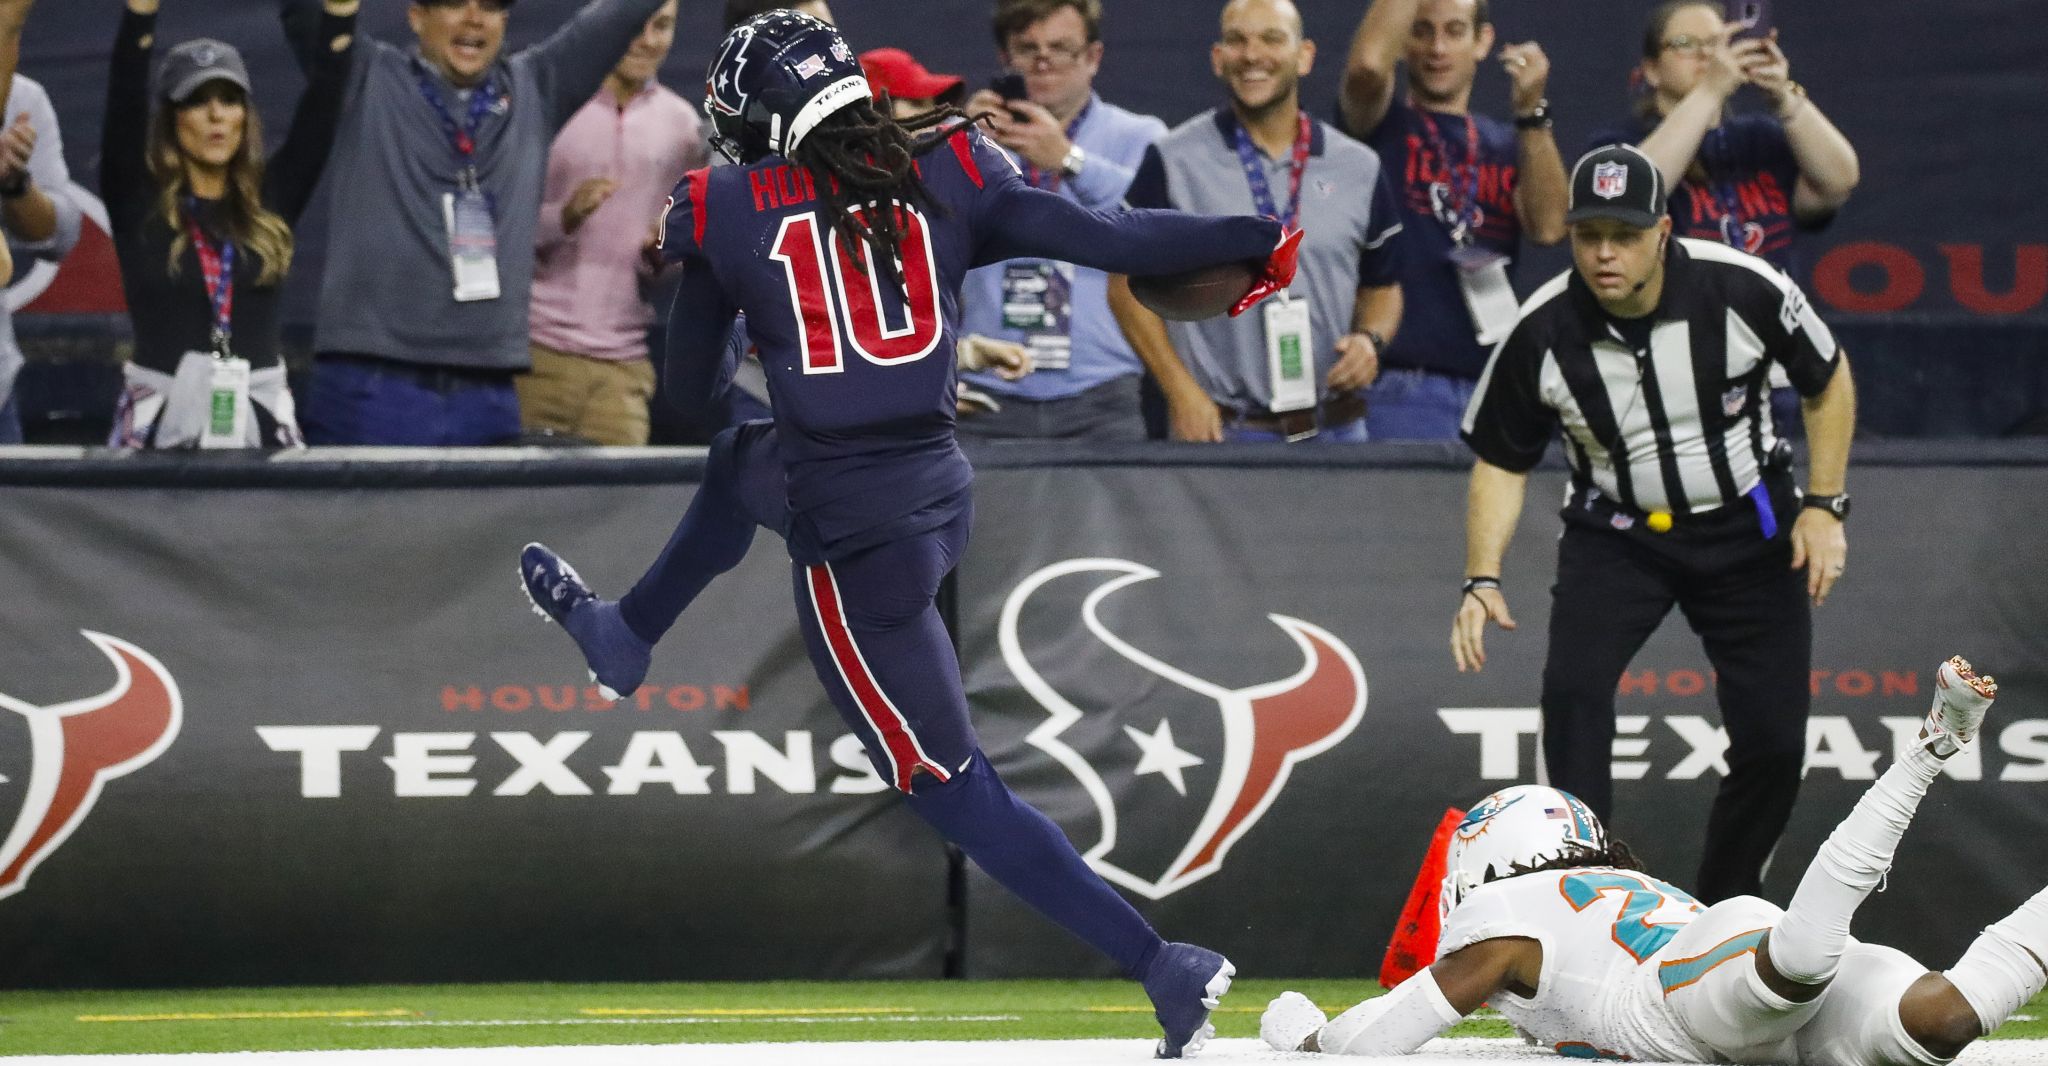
(1289, 1020)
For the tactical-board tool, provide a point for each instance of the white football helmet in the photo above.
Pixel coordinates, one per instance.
(1520, 826)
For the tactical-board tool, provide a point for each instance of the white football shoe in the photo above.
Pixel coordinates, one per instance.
(1290, 1019)
(1961, 697)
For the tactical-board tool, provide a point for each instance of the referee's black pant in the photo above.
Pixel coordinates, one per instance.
(1740, 594)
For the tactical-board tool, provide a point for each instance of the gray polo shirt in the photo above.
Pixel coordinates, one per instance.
(1347, 208)
(388, 289)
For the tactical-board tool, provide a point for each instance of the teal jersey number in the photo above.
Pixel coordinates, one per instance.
(1641, 895)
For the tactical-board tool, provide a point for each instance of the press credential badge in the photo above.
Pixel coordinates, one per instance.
(1290, 364)
(472, 243)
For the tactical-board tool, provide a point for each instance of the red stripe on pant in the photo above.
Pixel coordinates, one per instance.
(888, 723)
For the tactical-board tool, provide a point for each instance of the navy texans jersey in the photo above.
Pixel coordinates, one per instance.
(861, 372)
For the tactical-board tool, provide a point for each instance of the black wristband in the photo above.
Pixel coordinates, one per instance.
(1474, 584)
(1379, 343)
(16, 188)
(1538, 119)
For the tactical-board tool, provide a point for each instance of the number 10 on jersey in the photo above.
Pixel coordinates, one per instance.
(849, 311)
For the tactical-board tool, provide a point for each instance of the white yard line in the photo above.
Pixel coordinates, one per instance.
(898, 1053)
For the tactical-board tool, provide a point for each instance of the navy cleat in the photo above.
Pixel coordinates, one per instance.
(616, 656)
(1186, 983)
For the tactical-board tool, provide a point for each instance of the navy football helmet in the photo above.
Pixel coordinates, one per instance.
(776, 76)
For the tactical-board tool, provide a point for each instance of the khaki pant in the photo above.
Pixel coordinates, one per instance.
(601, 400)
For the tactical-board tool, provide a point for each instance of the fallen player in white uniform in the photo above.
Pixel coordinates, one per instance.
(1560, 930)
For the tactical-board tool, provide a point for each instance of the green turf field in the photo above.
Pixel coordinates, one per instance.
(488, 1015)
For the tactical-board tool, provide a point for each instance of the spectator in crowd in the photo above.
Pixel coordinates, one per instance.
(609, 172)
(1246, 378)
(1652, 355)
(911, 89)
(738, 11)
(1067, 140)
(202, 225)
(1748, 180)
(1471, 187)
(423, 310)
(38, 210)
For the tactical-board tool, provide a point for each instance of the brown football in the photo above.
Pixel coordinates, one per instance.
(1193, 295)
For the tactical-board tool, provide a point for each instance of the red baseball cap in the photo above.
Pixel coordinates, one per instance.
(893, 71)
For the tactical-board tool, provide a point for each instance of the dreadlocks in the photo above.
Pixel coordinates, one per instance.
(865, 159)
(1616, 855)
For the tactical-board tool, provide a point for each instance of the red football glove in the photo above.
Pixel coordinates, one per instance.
(1279, 272)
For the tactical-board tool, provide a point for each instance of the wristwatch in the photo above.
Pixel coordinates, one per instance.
(1074, 161)
(1538, 118)
(1837, 505)
(15, 187)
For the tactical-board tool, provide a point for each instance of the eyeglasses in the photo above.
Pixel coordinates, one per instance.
(1052, 55)
(1697, 46)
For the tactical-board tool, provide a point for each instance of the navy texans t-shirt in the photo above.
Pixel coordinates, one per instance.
(1745, 200)
(1428, 159)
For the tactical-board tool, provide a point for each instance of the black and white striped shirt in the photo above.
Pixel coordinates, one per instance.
(1670, 412)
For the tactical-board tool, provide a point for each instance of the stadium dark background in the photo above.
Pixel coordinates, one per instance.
(1929, 95)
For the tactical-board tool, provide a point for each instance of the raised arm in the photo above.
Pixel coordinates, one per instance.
(570, 65)
(124, 174)
(1828, 167)
(1675, 143)
(41, 213)
(295, 168)
(1369, 71)
(13, 16)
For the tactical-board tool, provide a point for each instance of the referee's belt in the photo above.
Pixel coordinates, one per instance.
(1338, 410)
(1740, 514)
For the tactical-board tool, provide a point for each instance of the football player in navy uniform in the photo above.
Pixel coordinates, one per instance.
(843, 234)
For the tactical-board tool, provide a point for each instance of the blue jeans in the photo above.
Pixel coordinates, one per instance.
(1352, 432)
(10, 419)
(1404, 404)
(369, 401)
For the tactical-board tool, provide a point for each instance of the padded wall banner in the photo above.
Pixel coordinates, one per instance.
(318, 736)
(1233, 688)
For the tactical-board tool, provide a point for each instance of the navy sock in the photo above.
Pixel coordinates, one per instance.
(711, 539)
(1027, 854)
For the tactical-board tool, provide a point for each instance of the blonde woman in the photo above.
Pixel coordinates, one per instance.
(202, 223)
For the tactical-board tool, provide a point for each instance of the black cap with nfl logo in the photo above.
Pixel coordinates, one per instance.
(1617, 182)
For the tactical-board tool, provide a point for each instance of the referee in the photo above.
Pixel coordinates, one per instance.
(1654, 356)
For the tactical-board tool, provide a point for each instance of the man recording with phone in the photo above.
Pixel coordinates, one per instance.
(1068, 140)
(1750, 180)
(1652, 355)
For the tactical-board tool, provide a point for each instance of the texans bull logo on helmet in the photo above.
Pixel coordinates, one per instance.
(774, 79)
(75, 748)
(722, 91)
(1195, 762)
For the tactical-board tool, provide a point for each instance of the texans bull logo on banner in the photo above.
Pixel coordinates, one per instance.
(1205, 760)
(75, 748)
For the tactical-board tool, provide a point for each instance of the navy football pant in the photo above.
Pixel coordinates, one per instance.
(879, 646)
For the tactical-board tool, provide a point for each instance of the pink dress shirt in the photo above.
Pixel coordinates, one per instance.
(590, 287)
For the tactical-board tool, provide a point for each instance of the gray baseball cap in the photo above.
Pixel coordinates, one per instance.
(194, 63)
